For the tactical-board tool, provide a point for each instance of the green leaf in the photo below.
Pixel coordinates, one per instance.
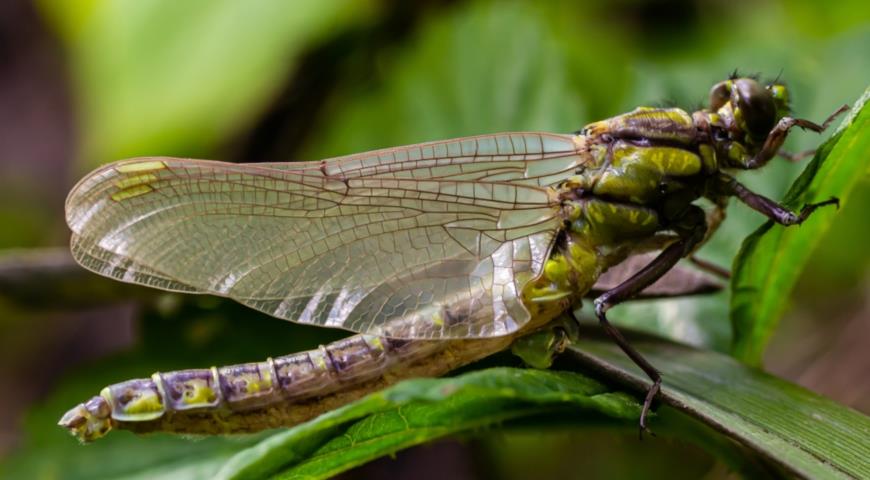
(771, 259)
(417, 411)
(480, 67)
(175, 78)
(804, 434)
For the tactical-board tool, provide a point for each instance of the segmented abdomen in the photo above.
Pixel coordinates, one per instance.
(280, 391)
(250, 385)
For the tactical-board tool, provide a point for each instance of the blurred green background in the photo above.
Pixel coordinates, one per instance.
(82, 83)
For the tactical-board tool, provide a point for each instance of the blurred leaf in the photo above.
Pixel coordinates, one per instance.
(771, 259)
(174, 78)
(834, 266)
(479, 67)
(804, 434)
(417, 411)
(561, 447)
(834, 17)
(171, 458)
(24, 221)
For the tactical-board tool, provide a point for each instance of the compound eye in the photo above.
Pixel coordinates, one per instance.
(780, 98)
(719, 95)
(757, 107)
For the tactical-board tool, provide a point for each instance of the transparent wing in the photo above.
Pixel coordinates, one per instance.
(437, 237)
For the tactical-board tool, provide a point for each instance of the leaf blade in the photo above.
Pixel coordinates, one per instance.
(771, 258)
(803, 433)
(416, 411)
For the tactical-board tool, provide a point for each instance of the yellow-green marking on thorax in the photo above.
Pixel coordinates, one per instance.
(636, 173)
(671, 124)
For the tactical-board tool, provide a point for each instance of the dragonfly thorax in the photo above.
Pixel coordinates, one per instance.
(610, 211)
(640, 174)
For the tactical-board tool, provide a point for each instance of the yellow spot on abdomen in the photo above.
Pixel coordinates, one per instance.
(199, 394)
(146, 402)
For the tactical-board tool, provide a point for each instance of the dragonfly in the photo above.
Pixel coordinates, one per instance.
(436, 254)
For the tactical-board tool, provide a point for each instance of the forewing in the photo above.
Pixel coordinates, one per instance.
(436, 237)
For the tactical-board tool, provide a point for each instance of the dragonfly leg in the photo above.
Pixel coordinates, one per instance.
(777, 136)
(796, 157)
(710, 267)
(768, 207)
(691, 233)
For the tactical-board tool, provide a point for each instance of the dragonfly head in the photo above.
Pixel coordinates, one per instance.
(88, 421)
(753, 108)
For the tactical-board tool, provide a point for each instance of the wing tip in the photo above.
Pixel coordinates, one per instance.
(114, 179)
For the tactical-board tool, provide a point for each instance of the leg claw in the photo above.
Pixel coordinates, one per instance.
(810, 207)
(647, 403)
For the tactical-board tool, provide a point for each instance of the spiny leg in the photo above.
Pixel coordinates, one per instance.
(714, 219)
(691, 232)
(777, 136)
(667, 259)
(796, 157)
(710, 267)
(768, 207)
